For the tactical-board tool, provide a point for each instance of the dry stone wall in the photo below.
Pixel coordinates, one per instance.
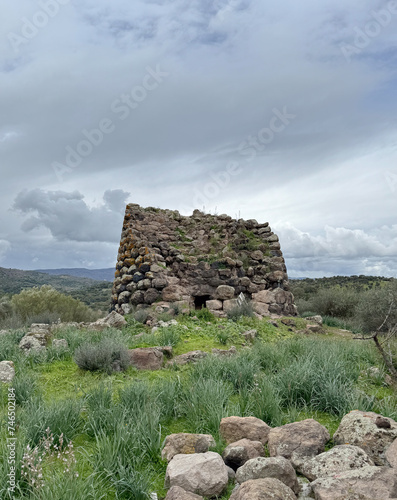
(200, 260)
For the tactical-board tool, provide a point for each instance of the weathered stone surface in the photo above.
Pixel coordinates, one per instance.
(7, 372)
(112, 320)
(224, 352)
(173, 293)
(298, 441)
(224, 292)
(391, 454)
(276, 467)
(260, 308)
(186, 444)
(202, 473)
(146, 358)
(250, 335)
(341, 458)
(60, 344)
(214, 305)
(233, 429)
(30, 344)
(264, 296)
(375, 483)
(316, 319)
(263, 489)
(178, 493)
(188, 357)
(236, 454)
(228, 305)
(359, 428)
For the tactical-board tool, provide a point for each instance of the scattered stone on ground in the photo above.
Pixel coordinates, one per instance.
(359, 428)
(146, 358)
(263, 489)
(188, 357)
(236, 454)
(233, 429)
(185, 444)
(202, 473)
(298, 441)
(7, 372)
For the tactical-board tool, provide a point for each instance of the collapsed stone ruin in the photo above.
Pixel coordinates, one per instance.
(199, 261)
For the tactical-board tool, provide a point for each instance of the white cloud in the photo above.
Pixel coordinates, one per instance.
(5, 246)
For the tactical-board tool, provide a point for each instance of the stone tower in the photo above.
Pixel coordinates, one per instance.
(199, 261)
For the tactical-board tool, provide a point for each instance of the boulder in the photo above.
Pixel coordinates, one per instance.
(30, 344)
(260, 308)
(201, 473)
(371, 483)
(7, 372)
(276, 467)
(236, 454)
(263, 489)
(224, 292)
(316, 319)
(214, 305)
(173, 293)
(264, 297)
(250, 335)
(359, 428)
(339, 459)
(230, 304)
(60, 344)
(298, 441)
(224, 352)
(177, 493)
(186, 444)
(391, 454)
(146, 358)
(112, 320)
(233, 429)
(188, 357)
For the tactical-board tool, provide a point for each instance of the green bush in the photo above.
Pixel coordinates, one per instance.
(46, 303)
(205, 314)
(374, 306)
(108, 355)
(336, 301)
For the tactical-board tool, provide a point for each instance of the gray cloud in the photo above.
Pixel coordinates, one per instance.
(229, 64)
(69, 218)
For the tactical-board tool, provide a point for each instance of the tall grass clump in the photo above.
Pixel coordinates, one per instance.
(61, 417)
(107, 356)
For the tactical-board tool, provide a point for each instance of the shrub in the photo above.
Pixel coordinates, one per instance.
(336, 301)
(374, 306)
(46, 303)
(107, 355)
(245, 309)
(168, 337)
(205, 314)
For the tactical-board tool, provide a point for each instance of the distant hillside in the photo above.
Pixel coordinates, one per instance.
(80, 272)
(91, 292)
(307, 287)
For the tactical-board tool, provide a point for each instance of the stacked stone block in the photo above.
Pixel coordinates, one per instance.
(201, 260)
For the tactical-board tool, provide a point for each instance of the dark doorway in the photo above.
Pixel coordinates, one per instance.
(199, 302)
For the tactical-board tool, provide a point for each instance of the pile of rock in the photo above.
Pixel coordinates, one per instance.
(361, 466)
(204, 259)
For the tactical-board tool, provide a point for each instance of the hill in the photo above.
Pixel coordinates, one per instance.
(81, 272)
(91, 292)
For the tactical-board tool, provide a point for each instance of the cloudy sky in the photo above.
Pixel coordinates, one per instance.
(279, 111)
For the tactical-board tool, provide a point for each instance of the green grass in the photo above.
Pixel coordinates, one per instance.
(117, 422)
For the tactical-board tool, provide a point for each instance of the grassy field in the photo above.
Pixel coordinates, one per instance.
(109, 428)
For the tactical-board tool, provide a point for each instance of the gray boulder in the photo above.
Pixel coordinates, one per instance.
(29, 344)
(276, 467)
(365, 429)
(177, 493)
(146, 358)
(371, 483)
(298, 441)
(236, 454)
(391, 454)
(188, 357)
(263, 489)
(202, 473)
(339, 459)
(233, 429)
(186, 444)
(7, 372)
